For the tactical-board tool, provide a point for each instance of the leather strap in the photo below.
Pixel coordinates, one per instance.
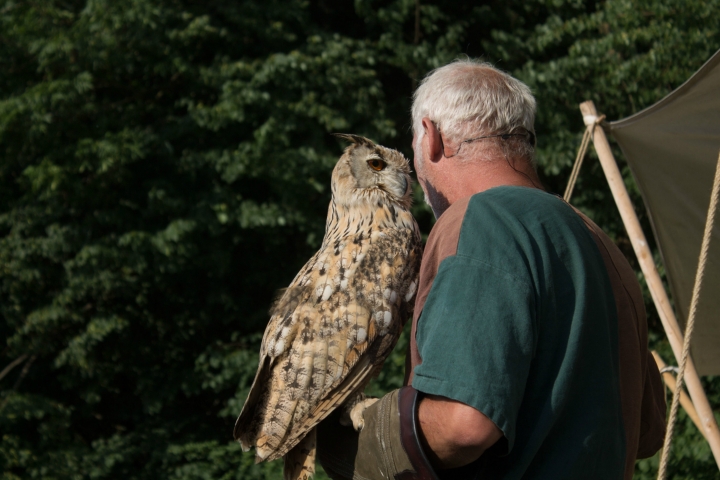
(408, 399)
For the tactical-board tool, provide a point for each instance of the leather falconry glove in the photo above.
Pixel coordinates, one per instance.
(388, 447)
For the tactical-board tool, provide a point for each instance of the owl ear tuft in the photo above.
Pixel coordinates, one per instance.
(355, 139)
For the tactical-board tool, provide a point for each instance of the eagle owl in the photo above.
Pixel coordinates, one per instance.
(332, 328)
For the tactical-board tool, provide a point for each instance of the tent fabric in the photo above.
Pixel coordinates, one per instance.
(672, 148)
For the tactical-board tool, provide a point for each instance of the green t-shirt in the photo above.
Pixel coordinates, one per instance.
(520, 323)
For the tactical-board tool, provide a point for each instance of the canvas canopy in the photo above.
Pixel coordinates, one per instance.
(672, 148)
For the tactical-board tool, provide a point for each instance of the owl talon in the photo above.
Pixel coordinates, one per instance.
(353, 413)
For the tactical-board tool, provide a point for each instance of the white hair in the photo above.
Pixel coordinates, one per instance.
(469, 98)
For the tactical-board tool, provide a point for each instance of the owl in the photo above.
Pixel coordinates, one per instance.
(331, 330)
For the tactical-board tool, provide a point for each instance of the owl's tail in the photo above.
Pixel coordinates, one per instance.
(246, 425)
(300, 461)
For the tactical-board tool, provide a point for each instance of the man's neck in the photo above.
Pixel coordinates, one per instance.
(469, 178)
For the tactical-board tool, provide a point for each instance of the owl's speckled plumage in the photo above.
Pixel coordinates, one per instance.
(333, 327)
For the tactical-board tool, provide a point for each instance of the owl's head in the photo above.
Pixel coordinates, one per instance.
(370, 173)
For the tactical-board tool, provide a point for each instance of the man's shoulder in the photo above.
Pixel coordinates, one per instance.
(513, 216)
(500, 225)
(509, 201)
(516, 202)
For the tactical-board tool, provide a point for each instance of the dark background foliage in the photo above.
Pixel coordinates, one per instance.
(164, 168)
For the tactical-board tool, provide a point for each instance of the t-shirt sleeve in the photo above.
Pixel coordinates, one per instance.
(476, 336)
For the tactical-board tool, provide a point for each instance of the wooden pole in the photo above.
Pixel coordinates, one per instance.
(652, 277)
(685, 401)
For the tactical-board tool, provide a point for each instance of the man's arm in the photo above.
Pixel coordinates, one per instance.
(454, 434)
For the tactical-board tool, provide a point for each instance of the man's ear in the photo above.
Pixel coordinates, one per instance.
(433, 139)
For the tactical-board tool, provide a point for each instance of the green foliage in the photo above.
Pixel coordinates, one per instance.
(164, 168)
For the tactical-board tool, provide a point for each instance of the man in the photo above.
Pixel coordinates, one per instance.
(528, 354)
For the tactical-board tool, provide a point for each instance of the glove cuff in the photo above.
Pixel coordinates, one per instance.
(408, 400)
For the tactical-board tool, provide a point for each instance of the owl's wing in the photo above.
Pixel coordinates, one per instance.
(329, 332)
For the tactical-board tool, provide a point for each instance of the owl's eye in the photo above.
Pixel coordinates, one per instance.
(376, 164)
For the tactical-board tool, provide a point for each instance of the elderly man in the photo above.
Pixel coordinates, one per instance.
(528, 355)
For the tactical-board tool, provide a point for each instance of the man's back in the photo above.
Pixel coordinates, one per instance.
(519, 319)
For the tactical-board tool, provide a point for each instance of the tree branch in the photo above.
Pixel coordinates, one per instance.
(24, 372)
(12, 365)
